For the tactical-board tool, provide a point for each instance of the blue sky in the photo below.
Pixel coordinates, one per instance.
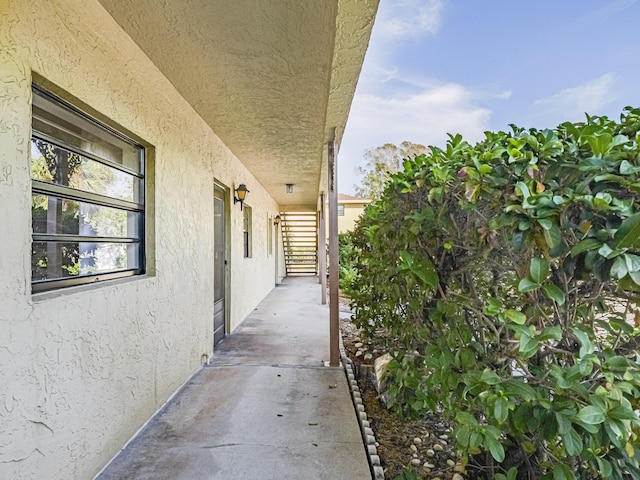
(466, 66)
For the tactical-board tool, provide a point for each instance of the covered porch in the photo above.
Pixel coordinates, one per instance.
(214, 95)
(265, 406)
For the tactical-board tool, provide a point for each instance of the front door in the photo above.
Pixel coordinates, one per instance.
(219, 267)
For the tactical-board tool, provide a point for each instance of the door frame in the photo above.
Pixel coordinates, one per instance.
(226, 192)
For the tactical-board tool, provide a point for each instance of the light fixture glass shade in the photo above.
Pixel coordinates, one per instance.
(240, 194)
(242, 191)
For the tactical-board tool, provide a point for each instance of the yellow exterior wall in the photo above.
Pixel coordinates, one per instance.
(352, 212)
(82, 369)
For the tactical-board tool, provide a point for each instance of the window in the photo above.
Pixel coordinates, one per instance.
(247, 231)
(341, 210)
(87, 203)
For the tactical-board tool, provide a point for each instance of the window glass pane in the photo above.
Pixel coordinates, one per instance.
(53, 215)
(53, 164)
(56, 120)
(56, 260)
(95, 224)
(341, 210)
(247, 230)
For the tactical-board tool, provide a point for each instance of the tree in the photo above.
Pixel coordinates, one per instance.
(381, 162)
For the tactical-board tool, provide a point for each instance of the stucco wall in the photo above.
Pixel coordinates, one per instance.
(81, 370)
(347, 222)
(352, 212)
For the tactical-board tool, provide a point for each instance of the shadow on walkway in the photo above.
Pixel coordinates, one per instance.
(264, 408)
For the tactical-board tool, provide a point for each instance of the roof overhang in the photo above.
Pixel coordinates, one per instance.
(274, 80)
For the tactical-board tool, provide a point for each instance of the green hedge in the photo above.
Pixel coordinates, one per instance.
(504, 279)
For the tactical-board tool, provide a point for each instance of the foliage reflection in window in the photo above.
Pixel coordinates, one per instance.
(87, 198)
(247, 230)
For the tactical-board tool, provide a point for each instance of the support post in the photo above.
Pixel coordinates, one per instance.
(334, 312)
(322, 248)
(277, 255)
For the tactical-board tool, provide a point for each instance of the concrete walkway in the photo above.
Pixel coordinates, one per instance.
(265, 408)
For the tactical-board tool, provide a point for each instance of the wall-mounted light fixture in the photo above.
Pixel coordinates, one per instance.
(289, 187)
(276, 221)
(240, 194)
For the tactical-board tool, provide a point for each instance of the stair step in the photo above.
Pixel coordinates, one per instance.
(299, 232)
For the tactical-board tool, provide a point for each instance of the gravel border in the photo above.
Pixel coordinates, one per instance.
(368, 437)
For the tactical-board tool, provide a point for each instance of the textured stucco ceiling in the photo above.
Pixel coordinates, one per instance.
(273, 78)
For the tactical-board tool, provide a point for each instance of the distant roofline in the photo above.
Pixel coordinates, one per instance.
(342, 198)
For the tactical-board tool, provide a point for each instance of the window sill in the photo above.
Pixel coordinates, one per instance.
(43, 296)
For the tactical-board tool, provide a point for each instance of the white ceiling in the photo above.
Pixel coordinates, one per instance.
(272, 78)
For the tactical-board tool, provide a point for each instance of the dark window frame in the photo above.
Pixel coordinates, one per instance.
(68, 193)
(247, 227)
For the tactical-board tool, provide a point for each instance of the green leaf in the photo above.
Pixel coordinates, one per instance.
(623, 413)
(485, 168)
(563, 472)
(489, 377)
(554, 293)
(617, 362)
(516, 316)
(495, 448)
(517, 241)
(585, 245)
(553, 237)
(586, 347)
(465, 418)
(627, 168)
(605, 468)
(619, 268)
(619, 140)
(523, 190)
(592, 163)
(564, 423)
(539, 269)
(549, 333)
(463, 433)
(518, 387)
(628, 234)
(591, 415)
(522, 331)
(572, 442)
(493, 307)
(632, 262)
(630, 451)
(528, 346)
(426, 272)
(501, 409)
(605, 250)
(527, 285)
(545, 223)
(407, 259)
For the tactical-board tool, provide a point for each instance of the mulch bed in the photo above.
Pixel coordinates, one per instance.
(408, 449)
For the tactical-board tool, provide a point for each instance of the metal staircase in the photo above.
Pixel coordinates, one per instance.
(300, 242)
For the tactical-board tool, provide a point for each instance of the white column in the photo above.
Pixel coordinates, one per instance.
(322, 248)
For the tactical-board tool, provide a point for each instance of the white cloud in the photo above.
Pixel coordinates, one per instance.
(425, 117)
(409, 18)
(571, 104)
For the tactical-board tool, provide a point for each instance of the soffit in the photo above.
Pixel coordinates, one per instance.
(261, 73)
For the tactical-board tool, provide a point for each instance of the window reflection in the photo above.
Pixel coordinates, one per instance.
(53, 215)
(55, 260)
(53, 164)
